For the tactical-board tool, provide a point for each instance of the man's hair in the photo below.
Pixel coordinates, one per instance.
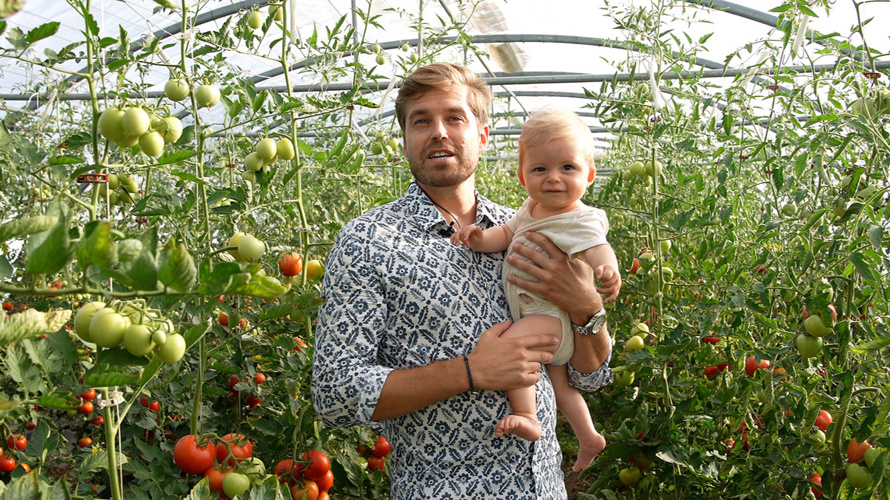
(549, 124)
(441, 76)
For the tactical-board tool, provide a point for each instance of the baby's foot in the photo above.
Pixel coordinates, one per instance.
(519, 425)
(588, 451)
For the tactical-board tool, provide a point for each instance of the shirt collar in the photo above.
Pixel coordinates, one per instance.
(428, 217)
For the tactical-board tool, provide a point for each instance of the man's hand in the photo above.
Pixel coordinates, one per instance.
(567, 283)
(500, 364)
(610, 281)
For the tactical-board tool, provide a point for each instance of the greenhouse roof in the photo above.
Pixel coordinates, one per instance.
(538, 57)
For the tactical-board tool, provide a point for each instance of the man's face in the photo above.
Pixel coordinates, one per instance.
(443, 139)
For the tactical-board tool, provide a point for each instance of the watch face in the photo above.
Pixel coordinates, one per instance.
(597, 324)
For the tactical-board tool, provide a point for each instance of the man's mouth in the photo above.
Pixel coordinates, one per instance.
(440, 154)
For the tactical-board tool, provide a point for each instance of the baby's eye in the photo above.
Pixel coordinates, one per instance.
(568, 166)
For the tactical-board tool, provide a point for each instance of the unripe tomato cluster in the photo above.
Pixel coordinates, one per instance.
(859, 475)
(291, 265)
(134, 125)
(265, 153)
(246, 247)
(382, 143)
(140, 332)
(120, 189)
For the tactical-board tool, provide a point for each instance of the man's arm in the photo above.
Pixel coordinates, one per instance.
(569, 284)
(495, 364)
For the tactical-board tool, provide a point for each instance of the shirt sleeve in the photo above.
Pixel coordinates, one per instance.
(591, 382)
(346, 377)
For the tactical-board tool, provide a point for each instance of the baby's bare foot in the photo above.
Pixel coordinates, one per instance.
(519, 425)
(588, 451)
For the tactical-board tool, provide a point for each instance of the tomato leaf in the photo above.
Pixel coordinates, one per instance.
(50, 250)
(217, 280)
(142, 272)
(95, 247)
(31, 323)
(109, 376)
(119, 356)
(28, 225)
(58, 401)
(42, 31)
(25, 487)
(862, 267)
(177, 269)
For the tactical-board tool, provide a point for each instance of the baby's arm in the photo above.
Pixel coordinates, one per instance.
(605, 267)
(493, 239)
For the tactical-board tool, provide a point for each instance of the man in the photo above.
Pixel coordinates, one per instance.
(408, 337)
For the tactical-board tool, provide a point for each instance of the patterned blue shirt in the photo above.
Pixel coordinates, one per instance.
(399, 295)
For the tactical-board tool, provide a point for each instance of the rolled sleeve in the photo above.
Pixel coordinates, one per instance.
(591, 382)
(347, 378)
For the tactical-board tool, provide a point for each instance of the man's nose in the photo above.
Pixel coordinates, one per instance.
(440, 131)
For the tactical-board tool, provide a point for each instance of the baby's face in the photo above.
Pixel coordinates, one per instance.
(556, 174)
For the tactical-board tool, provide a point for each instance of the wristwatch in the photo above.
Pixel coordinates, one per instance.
(596, 323)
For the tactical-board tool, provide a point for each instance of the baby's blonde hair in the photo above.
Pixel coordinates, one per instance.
(549, 124)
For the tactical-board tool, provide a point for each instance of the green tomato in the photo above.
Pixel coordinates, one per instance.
(381, 60)
(630, 476)
(233, 242)
(871, 455)
(83, 318)
(207, 95)
(640, 328)
(107, 327)
(285, 149)
(235, 484)
(789, 210)
(634, 344)
(647, 260)
(815, 327)
(623, 377)
(254, 162)
(251, 248)
(135, 121)
(176, 89)
(171, 129)
(137, 340)
(653, 170)
(254, 20)
(637, 169)
(111, 124)
(808, 346)
(152, 143)
(666, 246)
(172, 350)
(254, 469)
(159, 337)
(266, 149)
(858, 476)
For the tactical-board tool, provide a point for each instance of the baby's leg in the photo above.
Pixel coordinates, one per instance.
(572, 404)
(524, 420)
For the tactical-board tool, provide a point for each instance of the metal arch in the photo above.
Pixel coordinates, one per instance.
(738, 10)
(176, 28)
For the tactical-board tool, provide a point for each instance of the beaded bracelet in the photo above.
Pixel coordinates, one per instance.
(469, 373)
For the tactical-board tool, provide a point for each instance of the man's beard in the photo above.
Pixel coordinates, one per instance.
(442, 177)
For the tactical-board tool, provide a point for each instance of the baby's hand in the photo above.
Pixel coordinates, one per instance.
(610, 281)
(468, 235)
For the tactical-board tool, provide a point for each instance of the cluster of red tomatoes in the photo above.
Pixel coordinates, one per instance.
(228, 464)
(309, 478)
(253, 400)
(7, 461)
(376, 454)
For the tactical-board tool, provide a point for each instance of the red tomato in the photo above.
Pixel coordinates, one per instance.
(154, 406)
(318, 465)
(7, 306)
(232, 381)
(143, 401)
(286, 472)
(30, 426)
(856, 450)
(290, 264)
(7, 464)
(223, 319)
(712, 339)
(823, 420)
(25, 466)
(98, 420)
(325, 482)
(253, 401)
(191, 457)
(751, 365)
(323, 495)
(85, 408)
(84, 442)
(381, 447)
(216, 476)
(241, 448)
(259, 378)
(816, 478)
(308, 491)
(300, 345)
(88, 395)
(376, 463)
(17, 442)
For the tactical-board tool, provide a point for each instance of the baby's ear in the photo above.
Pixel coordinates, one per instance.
(591, 174)
(521, 177)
